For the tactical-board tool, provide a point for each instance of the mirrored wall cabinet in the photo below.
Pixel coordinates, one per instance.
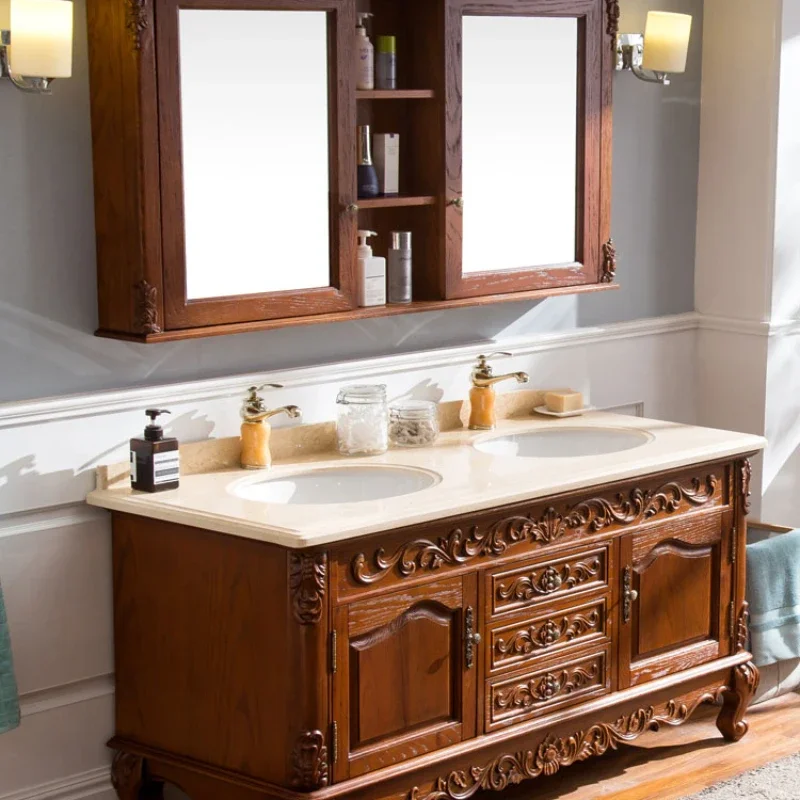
(225, 157)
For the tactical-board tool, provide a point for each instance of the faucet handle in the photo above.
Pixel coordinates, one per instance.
(254, 403)
(483, 362)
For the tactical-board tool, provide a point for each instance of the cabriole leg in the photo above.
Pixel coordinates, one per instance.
(130, 780)
(731, 722)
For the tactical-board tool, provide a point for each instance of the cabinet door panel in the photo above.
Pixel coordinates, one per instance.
(685, 576)
(388, 697)
(675, 597)
(404, 685)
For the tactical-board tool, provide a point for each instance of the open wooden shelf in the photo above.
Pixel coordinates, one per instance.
(396, 201)
(395, 94)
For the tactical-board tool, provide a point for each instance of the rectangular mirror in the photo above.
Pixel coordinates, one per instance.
(255, 144)
(520, 154)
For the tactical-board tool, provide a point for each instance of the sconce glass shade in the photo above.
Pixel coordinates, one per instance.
(41, 38)
(666, 41)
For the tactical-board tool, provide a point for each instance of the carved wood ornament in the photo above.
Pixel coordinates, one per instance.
(743, 627)
(588, 517)
(310, 761)
(747, 475)
(612, 17)
(554, 753)
(609, 262)
(549, 580)
(146, 312)
(526, 641)
(127, 775)
(137, 20)
(547, 687)
(307, 574)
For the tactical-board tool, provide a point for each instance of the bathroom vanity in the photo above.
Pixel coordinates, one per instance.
(504, 618)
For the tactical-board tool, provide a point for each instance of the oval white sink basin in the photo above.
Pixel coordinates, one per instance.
(337, 485)
(564, 443)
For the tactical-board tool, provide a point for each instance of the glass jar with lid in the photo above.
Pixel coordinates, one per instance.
(362, 423)
(414, 423)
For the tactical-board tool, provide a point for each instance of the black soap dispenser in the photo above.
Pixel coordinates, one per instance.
(155, 461)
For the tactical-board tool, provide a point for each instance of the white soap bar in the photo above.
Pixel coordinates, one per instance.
(561, 401)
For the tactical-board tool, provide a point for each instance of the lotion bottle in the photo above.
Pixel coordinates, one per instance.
(371, 274)
(155, 460)
(365, 55)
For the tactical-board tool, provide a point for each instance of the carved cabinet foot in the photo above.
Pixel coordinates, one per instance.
(130, 780)
(731, 722)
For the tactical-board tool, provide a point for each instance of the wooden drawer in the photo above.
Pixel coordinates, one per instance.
(535, 693)
(545, 580)
(512, 644)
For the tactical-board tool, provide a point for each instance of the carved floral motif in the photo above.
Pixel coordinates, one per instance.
(549, 580)
(609, 259)
(588, 517)
(307, 585)
(544, 688)
(747, 475)
(137, 20)
(612, 17)
(525, 641)
(310, 761)
(743, 627)
(554, 753)
(146, 312)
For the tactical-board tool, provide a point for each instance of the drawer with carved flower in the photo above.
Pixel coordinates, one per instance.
(579, 571)
(534, 693)
(513, 644)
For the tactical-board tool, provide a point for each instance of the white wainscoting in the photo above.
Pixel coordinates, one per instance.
(55, 551)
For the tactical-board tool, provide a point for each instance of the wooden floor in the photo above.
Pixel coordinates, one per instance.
(675, 763)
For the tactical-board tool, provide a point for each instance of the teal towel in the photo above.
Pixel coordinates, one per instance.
(773, 591)
(9, 699)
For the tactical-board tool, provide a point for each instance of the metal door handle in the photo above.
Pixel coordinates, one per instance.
(629, 594)
(471, 638)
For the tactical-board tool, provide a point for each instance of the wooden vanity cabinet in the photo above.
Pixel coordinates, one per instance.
(169, 262)
(428, 663)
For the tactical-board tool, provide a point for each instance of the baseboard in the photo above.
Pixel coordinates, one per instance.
(95, 784)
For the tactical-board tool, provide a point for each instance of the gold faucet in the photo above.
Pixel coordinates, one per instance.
(482, 395)
(256, 430)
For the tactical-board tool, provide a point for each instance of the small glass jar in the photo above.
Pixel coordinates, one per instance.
(414, 423)
(362, 424)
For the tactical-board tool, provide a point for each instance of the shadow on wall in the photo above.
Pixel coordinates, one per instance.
(47, 266)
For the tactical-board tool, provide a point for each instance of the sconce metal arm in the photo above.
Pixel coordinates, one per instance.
(23, 83)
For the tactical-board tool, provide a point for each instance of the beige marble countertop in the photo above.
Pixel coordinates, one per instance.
(470, 481)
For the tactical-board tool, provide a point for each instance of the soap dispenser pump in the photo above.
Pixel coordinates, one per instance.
(365, 54)
(155, 460)
(371, 274)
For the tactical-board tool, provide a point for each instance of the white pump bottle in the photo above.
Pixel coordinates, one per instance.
(371, 277)
(365, 55)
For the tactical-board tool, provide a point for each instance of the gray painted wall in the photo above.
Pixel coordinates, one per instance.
(47, 261)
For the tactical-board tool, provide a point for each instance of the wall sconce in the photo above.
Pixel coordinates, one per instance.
(660, 52)
(42, 44)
